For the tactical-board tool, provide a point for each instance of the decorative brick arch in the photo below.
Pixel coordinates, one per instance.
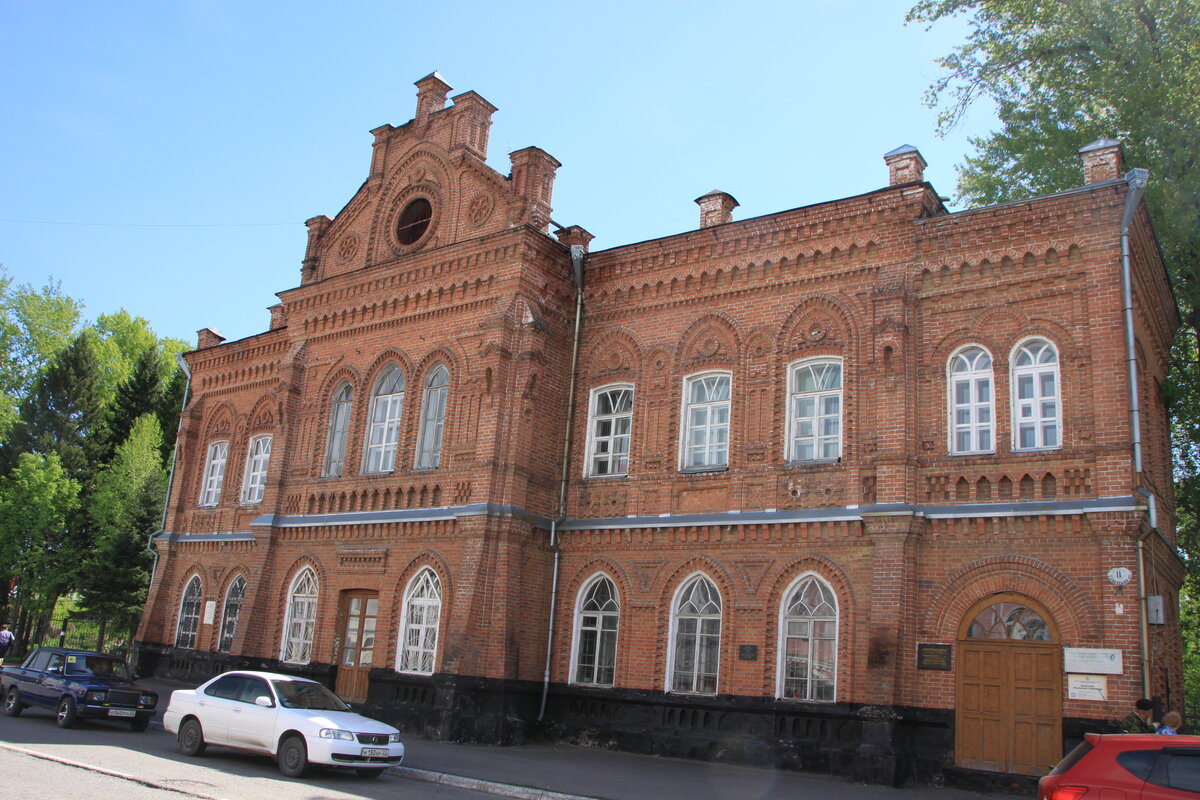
(712, 340)
(221, 421)
(392, 355)
(263, 413)
(618, 353)
(1073, 614)
(596, 565)
(820, 319)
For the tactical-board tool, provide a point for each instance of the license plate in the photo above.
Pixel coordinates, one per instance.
(374, 752)
(121, 712)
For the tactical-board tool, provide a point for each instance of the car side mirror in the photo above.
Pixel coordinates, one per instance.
(263, 700)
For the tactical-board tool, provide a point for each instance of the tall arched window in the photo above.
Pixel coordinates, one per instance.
(301, 619)
(1035, 396)
(596, 615)
(383, 434)
(229, 614)
(808, 641)
(433, 418)
(815, 418)
(258, 457)
(339, 427)
(214, 473)
(706, 401)
(972, 425)
(422, 613)
(611, 421)
(189, 614)
(696, 640)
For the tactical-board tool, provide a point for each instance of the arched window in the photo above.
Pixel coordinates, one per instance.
(339, 427)
(815, 418)
(611, 421)
(433, 418)
(301, 619)
(596, 614)
(229, 614)
(189, 614)
(258, 456)
(1035, 396)
(706, 400)
(422, 612)
(1009, 620)
(696, 640)
(972, 426)
(808, 641)
(214, 473)
(384, 431)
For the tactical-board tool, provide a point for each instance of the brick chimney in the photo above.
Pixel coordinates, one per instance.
(431, 96)
(716, 208)
(905, 165)
(207, 337)
(1102, 161)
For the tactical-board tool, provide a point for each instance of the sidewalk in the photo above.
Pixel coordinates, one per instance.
(568, 772)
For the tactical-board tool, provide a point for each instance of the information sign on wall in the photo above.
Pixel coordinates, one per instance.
(1087, 687)
(1092, 661)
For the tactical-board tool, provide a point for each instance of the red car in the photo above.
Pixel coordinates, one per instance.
(1126, 767)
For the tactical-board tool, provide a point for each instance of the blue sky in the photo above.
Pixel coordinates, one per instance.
(162, 156)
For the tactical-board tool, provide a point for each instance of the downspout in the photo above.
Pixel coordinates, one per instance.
(162, 525)
(577, 257)
(1136, 180)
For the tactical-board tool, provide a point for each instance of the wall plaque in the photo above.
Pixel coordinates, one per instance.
(1087, 687)
(747, 652)
(1092, 661)
(935, 656)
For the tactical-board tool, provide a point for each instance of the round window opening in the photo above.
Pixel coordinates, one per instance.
(414, 221)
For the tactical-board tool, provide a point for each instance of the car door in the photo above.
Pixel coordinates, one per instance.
(1176, 775)
(215, 707)
(53, 680)
(27, 680)
(252, 725)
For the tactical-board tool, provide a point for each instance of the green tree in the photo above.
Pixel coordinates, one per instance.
(170, 403)
(126, 507)
(138, 394)
(37, 497)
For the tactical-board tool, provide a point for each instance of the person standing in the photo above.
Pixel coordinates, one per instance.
(6, 640)
(1138, 720)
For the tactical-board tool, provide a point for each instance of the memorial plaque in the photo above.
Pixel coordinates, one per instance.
(935, 656)
(748, 652)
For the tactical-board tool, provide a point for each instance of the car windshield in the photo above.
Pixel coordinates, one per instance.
(96, 665)
(308, 695)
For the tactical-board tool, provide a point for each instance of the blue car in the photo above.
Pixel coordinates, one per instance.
(77, 684)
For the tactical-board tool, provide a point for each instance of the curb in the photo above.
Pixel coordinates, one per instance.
(490, 787)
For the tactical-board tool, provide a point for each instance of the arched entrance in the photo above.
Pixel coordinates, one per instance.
(1009, 708)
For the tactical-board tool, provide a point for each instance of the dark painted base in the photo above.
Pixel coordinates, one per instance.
(890, 745)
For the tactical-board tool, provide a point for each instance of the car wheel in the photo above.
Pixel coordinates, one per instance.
(370, 772)
(293, 757)
(191, 738)
(67, 713)
(12, 703)
(139, 725)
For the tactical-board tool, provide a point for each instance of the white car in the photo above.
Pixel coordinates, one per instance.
(296, 720)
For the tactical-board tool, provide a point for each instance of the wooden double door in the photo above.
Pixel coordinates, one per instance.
(1009, 704)
(357, 616)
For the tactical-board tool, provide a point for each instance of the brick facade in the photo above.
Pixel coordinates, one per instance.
(911, 533)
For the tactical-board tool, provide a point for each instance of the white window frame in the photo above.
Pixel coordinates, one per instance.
(782, 649)
(711, 449)
(300, 621)
(339, 431)
(229, 625)
(422, 617)
(383, 426)
(974, 408)
(818, 438)
(606, 638)
(606, 449)
(214, 474)
(187, 625)
(1037, 420)
(683, 592)
(258, 458)
(433, 418)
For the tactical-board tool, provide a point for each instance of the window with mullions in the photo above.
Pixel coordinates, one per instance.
(433, 418)
(696, 645)
(422, 613)
(1035, 396)
(706, 421)
(301, 619)
(596, 617)
(229, 614)
(189, 615)
(970, 400)
(339, 428)
(808, 650)
(815, 418)
(258, 456)
(383, 434)
(611, 416)
(214, 473)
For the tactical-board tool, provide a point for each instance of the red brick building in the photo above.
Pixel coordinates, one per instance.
(860, 486)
